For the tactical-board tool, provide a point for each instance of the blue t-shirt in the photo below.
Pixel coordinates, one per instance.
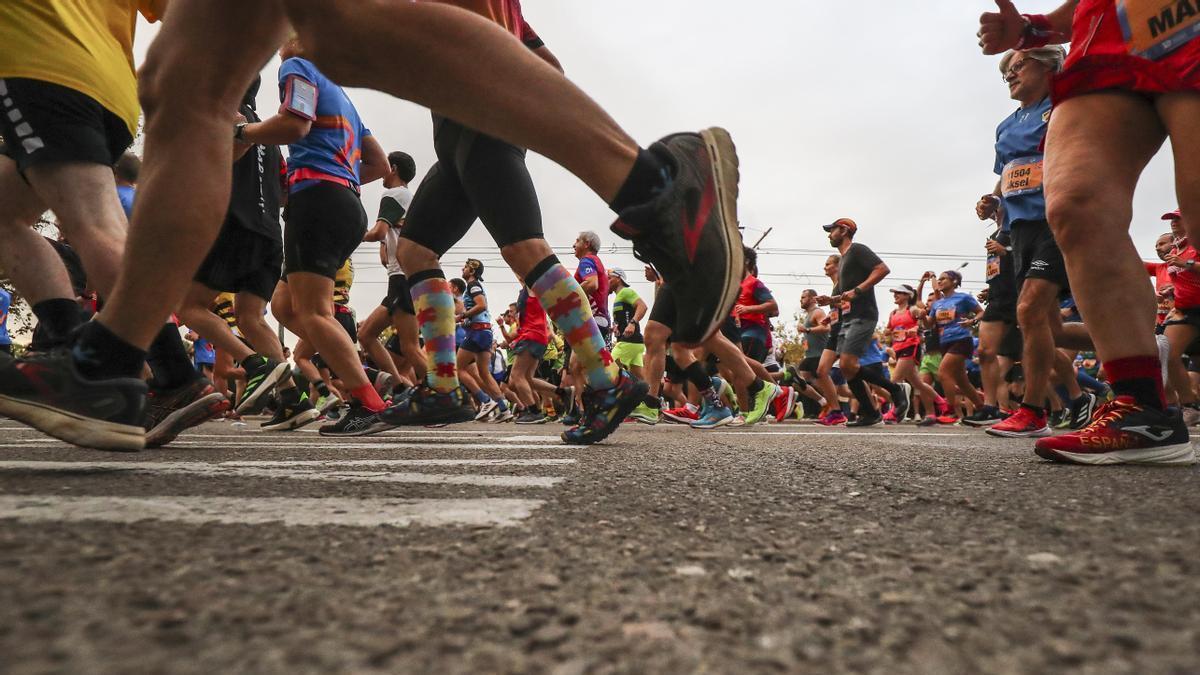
(948, 311)
(206, 354)
(125, 193)
(332, 150)
(474, 290)
(1019, 163)
(5, 303)
(874, 354)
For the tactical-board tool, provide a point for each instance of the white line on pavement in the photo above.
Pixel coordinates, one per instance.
(196, 442)
(242, 471)
(924, 434)
(253, 511)
(259, 436)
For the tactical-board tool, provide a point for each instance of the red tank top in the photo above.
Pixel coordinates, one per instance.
(904, 329)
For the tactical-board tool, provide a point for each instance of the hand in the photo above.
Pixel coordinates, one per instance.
(986, 207)
(928, 275)
(650, 274)
(739, 310)
(1176, 260)
(1000, 31)
(995, 248)
(1167, 292)
(802, 329)
(628, 330)
(968, 323)
(824, 300)
(848, 296)
(984, 295)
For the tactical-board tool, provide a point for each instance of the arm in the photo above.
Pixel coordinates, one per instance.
(639, 310)
(819, 325)
(590, 283)
(378, 231)
(1009, 29)
(383, 254)
(479, 308)
(282, 128)
(877, 275)
(374, 161)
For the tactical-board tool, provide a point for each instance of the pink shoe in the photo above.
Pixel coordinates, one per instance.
(833, 419)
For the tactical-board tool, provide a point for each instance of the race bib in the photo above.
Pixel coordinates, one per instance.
(993, 267)
(1021, 177)
(945, 316)
(899, 335)
(1155, 28)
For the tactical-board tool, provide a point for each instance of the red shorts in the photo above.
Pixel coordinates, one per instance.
(1101, 57)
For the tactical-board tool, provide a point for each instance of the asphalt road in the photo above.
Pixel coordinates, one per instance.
(494, 549)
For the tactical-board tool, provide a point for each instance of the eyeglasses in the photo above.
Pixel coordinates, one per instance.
(1013, 70)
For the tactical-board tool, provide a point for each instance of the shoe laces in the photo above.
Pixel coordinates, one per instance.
(1109, 412)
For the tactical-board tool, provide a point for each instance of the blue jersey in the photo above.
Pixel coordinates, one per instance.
(5, 303)
(948, 311)
(475, 290)
(332, 150)
(206, 354)
(1019, 163)
(874, 354)
(125, 193)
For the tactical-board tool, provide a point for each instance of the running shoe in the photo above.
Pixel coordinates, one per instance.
(532, 416)
(292, 414)
(902, 403)
(713, 416)
(171, 411)
(984, 417)
(1082, 409)
(426, 406)
(262, 374)
(46, 392)
(833, 419)
(645, 414)
(1123, 432)
(571, 419)
(357, 421)
(681, 415)
(784, 404)
(565, 405)
(604, 410)
(928, 421)
(889, 417)
(947, 420)
(485, 409)
(1060, 419)
(1024, 423)
(760, 403)
(737, 421)
(328, 402)
(867, 420)
(689, 232)
(383, 382)
(502, 416)
(1191, 415)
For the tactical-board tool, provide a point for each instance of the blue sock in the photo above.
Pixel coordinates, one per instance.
(482, 398)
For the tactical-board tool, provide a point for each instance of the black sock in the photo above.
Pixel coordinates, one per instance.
(322, 389)
(755, 387)
(168, 359)
(1034, 408)
(653, 401)
(57, 318)
(100, 355)
(858, 387)
(696, 375)
(645, 181)
(873, 375)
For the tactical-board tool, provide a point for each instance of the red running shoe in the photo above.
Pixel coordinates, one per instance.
(1025, 423)
(784, 403)
(833, 419)
(1123, 432)
(681, 415)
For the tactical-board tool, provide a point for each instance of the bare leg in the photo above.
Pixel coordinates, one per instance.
(1037, 308)
(311, 302)
(195, 313)
(26, 257)
(368, 337)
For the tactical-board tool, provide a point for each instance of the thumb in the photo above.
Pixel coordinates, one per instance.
(1007, 9)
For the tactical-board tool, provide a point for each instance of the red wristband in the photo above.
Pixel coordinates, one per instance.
(1037, 33)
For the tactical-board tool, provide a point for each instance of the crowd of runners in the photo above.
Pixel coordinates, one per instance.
(265, 211)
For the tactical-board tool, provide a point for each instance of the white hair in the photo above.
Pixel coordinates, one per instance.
(1052, 57)
(591, 239)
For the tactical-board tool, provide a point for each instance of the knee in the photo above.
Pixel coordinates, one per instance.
(1032, 314)
(415, 257)
(1071, 213)
(656, 335)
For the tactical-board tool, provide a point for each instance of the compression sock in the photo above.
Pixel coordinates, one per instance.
(858, 387)
(564, 301)
(168, 359)
(57, 318)
(646, 180)
(433, 299)
(703, 383)
(1139, 377)
(322, 388)
(100, 355)
(368, 397)
(481, 397)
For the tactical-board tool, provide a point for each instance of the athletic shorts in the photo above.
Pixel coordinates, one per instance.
(663, 310)
(1101, 59)
(475, 177)
(460, 336)
(753, 341)
(345, 319)
(930, 363)
(242, 261)
(1036, 254)
(323, 225)
(835, 374)
(398, 298)
(629, 354)
(1184, 317)
(854, 336)
(1013, 344)
(964, 348)
(910, 352)
(730, 330)
(534, 349)
(45, 122)
(478, 340)
(809, 364)
(393, 344)
(1004, 310)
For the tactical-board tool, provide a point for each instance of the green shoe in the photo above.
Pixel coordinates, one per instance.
(645, 414)
(761, 404)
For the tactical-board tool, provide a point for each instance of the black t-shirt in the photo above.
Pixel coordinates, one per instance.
(256, 196)
(857, 263)
(1001, 276)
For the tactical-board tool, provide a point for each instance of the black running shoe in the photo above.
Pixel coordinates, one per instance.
(690, 231)
(356, 421)
(262, 374)
(46, 392)
(532, 416)
(571, 419)
(1082, 409)
(605, 410)
(292, 413)
(169, 412)
(565, 405)
(866, 420)
(425, 406)
(984, 417)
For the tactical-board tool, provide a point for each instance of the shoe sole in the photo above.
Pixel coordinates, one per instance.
(678, 420)
(439, 422)
(791, 406)
(272, 378)
(305, 418)
(193, 414)
(978, 424)
(479, 416)
(714, 425)
(726, 176)
(876, 423)
(641, 420)
(86, 432)
(1180, 454)
(623, 409)
(376, 428)
(1003, 433)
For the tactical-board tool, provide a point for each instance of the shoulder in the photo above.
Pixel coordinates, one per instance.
(300, 67)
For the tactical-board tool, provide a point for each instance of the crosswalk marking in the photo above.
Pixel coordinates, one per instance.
(198, 442)
(263, 510)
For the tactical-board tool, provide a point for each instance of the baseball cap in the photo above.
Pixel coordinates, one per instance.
(849, 224)
(905, 288)
(619, 273)
(1172, 215)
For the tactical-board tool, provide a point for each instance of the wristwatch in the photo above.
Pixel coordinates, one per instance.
(239, 132)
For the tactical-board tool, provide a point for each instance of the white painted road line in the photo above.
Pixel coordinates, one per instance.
(263, 437)
(924, 434)
(308, 445)
(255, 511)
(200, 469)
(405, 462)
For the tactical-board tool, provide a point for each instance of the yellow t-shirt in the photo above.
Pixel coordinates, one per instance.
(342, 283)
(85, 45)
(223, 307)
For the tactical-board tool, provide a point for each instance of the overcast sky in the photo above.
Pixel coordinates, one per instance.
(886, 116)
